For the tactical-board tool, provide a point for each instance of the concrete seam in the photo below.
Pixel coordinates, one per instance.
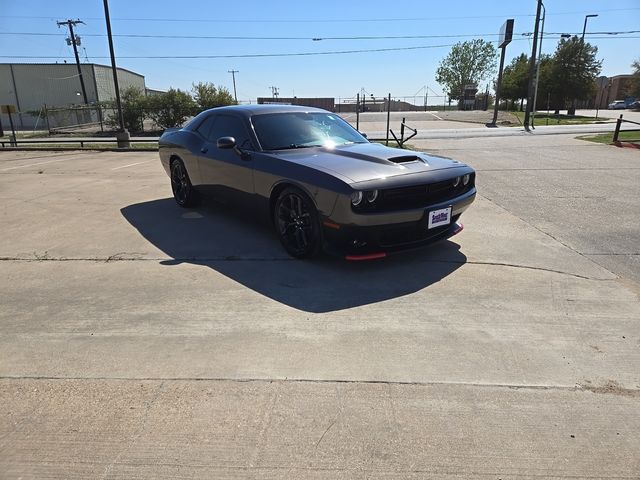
(549, 235)
(303, 380)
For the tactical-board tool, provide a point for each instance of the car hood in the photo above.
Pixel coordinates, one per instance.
(363, 162)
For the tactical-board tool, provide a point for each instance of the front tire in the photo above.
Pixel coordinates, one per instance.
(297, 224)
(183, 191)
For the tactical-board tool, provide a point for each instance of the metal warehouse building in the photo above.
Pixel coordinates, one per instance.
(32, 86)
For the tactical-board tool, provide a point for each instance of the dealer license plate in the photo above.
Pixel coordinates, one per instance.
(439, 217)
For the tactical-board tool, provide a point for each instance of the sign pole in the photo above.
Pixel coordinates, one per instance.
(498, 85)
(506, 34)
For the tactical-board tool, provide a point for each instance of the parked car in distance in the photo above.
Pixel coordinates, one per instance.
(634, 105)
(320, 182)
(617, 105)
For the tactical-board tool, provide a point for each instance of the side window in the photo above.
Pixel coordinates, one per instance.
(228, 126)
(205, 127)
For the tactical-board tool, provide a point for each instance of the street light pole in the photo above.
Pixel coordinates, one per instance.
(584, 30)
(123, 135)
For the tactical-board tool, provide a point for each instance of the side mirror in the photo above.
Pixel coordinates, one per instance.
(226, 142)
(363, 134)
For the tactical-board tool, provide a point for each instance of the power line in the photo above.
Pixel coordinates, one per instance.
(367, 37)
(266, 55)
(259, 55)
(331, 20)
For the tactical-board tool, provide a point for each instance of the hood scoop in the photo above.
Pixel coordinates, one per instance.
(405, 159)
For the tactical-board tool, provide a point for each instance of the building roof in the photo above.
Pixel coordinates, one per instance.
(70, 64)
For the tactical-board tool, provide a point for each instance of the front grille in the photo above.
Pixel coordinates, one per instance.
(408, 234)
(417, 196)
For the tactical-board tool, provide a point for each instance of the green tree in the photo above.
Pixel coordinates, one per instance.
(134, 104)
(515, 79)
(171, 109)
(545, 84)
(573, 72)
(207, 95)
(467, 63)
(635, 82)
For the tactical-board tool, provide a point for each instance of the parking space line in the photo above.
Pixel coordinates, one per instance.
(439, 118)
(33, 164)
(132, 164)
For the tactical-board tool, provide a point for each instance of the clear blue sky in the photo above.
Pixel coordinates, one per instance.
(401, 72)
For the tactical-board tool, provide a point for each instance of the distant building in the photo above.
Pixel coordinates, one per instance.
(325, 103)
(152, 91)
(610, 89)
(31, 86)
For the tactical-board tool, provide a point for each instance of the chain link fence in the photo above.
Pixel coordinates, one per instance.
(103, 118)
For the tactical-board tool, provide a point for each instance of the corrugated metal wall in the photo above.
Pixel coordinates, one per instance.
(51, 84)
(30, 86)
(104, 82)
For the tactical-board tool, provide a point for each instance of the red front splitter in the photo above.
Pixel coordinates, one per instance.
(369, 256)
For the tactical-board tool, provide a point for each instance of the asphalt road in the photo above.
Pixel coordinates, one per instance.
(139, 340)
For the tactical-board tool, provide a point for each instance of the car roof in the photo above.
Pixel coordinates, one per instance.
(260, 109)
(250, 110)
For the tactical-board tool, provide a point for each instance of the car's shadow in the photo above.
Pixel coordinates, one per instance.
(247, 251)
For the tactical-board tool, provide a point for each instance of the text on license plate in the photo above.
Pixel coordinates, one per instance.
(439, 217)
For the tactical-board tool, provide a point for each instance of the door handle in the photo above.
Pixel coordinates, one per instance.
(204, 149)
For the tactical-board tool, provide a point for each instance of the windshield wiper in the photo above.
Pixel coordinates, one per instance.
(293, 146)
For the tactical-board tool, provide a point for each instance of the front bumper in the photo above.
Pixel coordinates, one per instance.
(374, 236)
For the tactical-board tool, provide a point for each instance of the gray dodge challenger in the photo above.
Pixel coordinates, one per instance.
(321, 183)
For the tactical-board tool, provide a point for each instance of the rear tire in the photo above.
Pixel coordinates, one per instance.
(297, 224)
(183, 191)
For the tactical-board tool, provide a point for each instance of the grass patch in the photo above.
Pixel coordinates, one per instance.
(551, 119)
(629, 136)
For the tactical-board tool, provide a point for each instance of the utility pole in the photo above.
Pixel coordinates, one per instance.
(532, 68)
(75, 41)
(123, 135)
(233, 74)
(535, 91)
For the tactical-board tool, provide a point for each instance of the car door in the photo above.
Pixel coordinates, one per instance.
(226, 172)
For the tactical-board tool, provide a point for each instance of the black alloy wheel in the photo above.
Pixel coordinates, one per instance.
(183, 191)
(297, 225)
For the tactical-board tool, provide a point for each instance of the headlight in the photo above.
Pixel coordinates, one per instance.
(456, 182)
(356, 198)
(372, 195)
(465, 179)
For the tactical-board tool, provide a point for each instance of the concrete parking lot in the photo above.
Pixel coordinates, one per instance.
(140, 340)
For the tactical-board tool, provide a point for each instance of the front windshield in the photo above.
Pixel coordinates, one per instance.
(279, 131)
